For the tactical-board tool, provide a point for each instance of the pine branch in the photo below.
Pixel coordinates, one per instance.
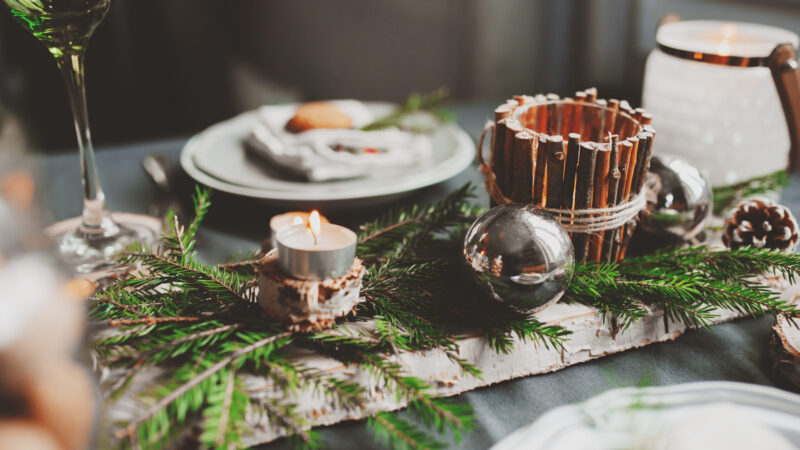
(202, 202)
(219, 439)
(391, 429)
(199, 320)
(414, 104)
(284, 415)
(726, 196)
(224, 362)
(112, 302)
(153, 260)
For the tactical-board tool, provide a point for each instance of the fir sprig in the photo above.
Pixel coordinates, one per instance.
(726, 196)
(689, 284)
(200, 324)
(415, 103)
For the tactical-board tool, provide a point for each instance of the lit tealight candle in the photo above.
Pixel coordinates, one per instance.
(316, 251)
(281, 221)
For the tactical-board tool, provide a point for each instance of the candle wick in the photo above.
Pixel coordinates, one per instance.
(316, 241)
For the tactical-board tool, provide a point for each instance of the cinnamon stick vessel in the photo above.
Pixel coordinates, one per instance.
(573, 154)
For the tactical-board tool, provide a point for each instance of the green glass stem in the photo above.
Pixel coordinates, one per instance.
(96, 218)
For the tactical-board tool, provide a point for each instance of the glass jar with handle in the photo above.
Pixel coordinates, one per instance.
(726, 97)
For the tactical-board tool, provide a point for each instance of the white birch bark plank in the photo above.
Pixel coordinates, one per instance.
(785, 350)
(591, 338)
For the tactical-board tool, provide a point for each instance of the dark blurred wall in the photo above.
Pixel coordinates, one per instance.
(154, 68)
(159, 68)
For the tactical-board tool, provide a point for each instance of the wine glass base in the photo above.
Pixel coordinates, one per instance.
(87, 252)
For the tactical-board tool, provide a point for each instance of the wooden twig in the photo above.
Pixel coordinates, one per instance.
(591, 94)
(553, 122)
(577, 113)
(522, 182)
(642, 166)
(237, 264)
(152, 320)
(637, 115)
(584, 187)
(599, 199)
(614, 177)
(570, 170)
(632, 162)
(567, 109)
(541, 119)
(625, 156)
(611, 116)
(499, 141)
(642, 159)
(528, 118)
(555, 171)
(598, 121)
(541, 173)
(512, 128)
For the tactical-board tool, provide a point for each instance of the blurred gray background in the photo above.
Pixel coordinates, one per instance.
(161, 68)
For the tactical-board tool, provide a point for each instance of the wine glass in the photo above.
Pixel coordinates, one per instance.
(64, 27)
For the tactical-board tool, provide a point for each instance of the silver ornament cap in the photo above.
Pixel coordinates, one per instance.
(520, 256)
(679, 200)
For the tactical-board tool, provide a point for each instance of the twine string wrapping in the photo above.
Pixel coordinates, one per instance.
(590, 220)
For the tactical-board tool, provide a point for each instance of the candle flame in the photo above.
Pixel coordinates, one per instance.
(728, 34)
(728, 31)
(297, 221)
(314, 224)
(724, 48)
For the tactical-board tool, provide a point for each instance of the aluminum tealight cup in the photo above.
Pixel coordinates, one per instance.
(331, 257)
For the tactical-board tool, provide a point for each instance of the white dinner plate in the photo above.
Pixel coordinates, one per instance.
(708, 415)
(216, 157)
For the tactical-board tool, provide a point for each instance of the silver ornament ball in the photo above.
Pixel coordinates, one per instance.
(679, 200)
(520, 256)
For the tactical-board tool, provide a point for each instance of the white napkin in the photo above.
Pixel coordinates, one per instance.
(312, 154)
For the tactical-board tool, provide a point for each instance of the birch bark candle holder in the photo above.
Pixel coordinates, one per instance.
(302, 304)
(585, 155)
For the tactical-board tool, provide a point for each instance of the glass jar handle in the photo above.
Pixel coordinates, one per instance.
(785, 70)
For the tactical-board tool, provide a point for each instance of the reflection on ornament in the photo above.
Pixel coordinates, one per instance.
(679, 200)
(520, 256)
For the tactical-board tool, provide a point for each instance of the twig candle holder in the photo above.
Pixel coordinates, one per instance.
(582, 159)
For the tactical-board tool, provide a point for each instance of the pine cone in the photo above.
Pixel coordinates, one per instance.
(762, 224)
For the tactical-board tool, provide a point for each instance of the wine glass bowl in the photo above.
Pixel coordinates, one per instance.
(64, 27)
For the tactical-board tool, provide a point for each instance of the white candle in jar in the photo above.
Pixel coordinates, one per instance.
(713, 99)
(281, 221)
(316, 251)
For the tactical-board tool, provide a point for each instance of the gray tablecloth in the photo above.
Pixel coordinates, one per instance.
(735, 351)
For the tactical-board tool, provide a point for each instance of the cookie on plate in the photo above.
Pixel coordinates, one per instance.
(318, 115)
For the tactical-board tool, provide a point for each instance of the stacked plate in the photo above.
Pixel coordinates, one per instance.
(706, 415)
(217, 158)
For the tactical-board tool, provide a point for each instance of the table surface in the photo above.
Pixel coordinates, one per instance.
(734, 351)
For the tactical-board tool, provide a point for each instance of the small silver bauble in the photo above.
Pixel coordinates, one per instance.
(520, 256)
(679, 200)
